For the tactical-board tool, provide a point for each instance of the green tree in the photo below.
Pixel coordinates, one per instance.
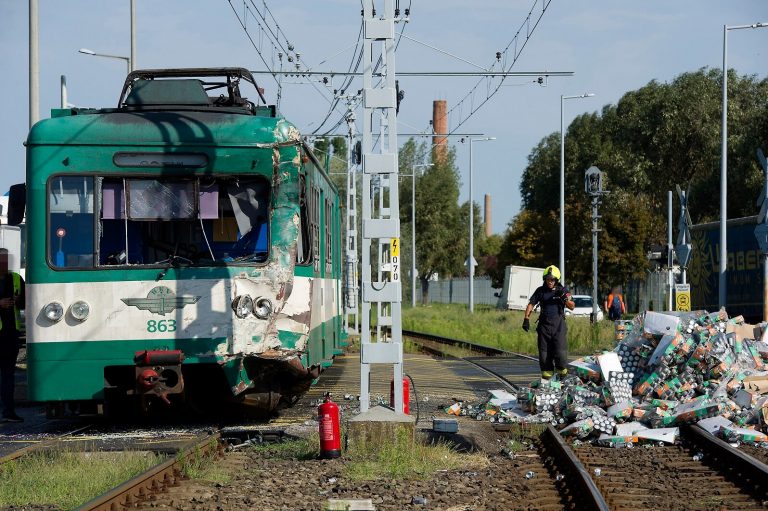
(441, 245)
(654, 138)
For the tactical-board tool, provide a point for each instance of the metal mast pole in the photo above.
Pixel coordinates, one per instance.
(413, 236)
(351, 245)
(132, 63)
(593, 181)
(381, 205)
(561, 260)
(64, 101)
(722, 280)
(670, 286)
(595, 230)
(34, 66)
(470, 260)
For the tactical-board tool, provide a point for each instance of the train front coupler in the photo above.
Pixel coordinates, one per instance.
(158, 373)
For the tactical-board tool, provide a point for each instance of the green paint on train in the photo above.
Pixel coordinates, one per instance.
(186, 241)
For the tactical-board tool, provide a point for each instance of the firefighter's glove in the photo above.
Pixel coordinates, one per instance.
(567, 297)
(526, 324)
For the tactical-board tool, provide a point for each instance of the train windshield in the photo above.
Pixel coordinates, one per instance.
(157, 220)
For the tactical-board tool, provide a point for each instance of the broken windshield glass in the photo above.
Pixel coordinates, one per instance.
(151, 221)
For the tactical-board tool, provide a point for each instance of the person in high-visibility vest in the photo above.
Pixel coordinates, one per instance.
(12, 299)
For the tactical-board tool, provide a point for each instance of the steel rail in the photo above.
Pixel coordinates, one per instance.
(488, 350)
(585, 482)
(152, 480)
(40, 445)
(591, 496)
(749, 468)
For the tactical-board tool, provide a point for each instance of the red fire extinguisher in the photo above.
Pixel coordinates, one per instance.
(330, 434)
(406, 394)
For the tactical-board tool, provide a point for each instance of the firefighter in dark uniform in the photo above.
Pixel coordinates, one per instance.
(553, 298)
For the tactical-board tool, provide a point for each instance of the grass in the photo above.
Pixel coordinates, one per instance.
(502, 329)
(406, 458)
(66, 479)
(409, 458)
(202, 467)
(299, 449)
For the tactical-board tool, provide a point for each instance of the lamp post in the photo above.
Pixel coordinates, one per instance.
(86, 51)
(132, 62)
(413, 229)
(471, 260)
(562, 181)
(722, 282)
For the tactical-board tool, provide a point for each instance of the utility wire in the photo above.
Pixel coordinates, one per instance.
(255, 47)
(376, 67)
(515, 55)
(345, 83)
(274, 40)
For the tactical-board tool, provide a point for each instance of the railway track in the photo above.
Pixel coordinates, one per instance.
(31, 445)
(702, 472)
(567, 483)
(155, 480)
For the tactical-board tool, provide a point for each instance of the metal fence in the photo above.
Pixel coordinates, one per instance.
(639, 295)
(457, 291)
(648, 294)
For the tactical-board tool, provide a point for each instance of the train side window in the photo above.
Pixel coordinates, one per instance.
(71, 222)
(315, 223)
(304, 242)
(328, 237)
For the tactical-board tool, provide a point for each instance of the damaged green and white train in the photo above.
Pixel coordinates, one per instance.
(183, 247)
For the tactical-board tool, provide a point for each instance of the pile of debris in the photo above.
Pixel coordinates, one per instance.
(668, 369)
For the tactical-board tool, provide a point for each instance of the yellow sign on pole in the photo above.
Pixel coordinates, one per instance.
(683, 297)
(394, 254)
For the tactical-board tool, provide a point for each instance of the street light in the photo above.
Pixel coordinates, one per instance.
(86, 51)
(471, 260)
(562, 181)
(413, 229)
(722, 283)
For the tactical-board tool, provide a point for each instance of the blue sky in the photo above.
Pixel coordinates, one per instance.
(612, 47)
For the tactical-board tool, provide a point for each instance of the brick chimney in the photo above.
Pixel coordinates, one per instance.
(440, 127)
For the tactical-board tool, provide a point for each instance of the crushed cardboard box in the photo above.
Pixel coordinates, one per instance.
(667, 369)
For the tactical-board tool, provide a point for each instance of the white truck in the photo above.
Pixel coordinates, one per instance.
(519, 284)
(12, 238)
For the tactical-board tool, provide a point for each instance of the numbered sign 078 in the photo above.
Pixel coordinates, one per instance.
(394, 252)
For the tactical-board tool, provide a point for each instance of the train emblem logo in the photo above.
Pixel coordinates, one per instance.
(160, 300)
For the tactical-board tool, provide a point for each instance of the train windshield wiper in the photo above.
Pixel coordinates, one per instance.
(175, 261)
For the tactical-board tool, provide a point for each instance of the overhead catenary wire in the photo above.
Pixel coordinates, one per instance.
(274, 40)
(253, 43)
(515, 55)
(340, 121)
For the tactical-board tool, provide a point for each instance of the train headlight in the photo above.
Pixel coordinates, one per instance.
(53, 311)
(263, 308)
(243, 306)
(80, 310)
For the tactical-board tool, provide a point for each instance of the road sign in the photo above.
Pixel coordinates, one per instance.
(394, 252)
(761, 233)
(683, 297)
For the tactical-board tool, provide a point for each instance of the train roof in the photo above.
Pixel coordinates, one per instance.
(200, 106)
(731, 222)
